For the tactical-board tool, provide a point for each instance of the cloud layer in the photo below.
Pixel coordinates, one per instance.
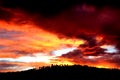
(79, 34)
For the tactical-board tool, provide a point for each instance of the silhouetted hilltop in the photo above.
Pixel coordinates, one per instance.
(64, 72)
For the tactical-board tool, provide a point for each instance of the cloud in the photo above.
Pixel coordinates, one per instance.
(19, 66)
(27, 45)
(4, 34)
(1, 47)
(94, 52)
(5, 15)
(62, 51)
(71, 34)
(5, 65)
(12, 67)
(104, 59)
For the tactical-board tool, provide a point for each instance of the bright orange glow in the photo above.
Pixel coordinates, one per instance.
(62, 61)
(28, 43)
(99, 38)
(29, 46)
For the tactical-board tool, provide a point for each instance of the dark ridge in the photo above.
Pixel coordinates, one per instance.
(64, 72)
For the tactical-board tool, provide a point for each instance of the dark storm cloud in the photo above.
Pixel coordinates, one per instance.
(5, 15)
(45, 7)
(51, 7)
(74, 23)
(90, 38)
(115, 59)
(77, 21)
(72, 54)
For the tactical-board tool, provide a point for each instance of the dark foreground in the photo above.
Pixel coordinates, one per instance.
(64, 72)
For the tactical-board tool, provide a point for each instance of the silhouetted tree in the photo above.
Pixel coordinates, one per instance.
(63, 72)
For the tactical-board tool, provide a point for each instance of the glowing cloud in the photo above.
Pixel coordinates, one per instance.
(33, 58)
(110, 48)
(27, 42)
(62, 51)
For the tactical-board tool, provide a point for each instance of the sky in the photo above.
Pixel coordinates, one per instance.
(35, 34)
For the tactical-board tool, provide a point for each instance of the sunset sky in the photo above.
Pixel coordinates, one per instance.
(36, 34)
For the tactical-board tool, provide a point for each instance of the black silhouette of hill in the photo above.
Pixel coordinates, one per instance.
(64, 72)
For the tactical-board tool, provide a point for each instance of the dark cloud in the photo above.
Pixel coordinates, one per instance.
(6, 65)
(71, 17)
(115, 59)
(5, 15)
(52, 7)
(74, 23)
(107, 59)
(91, 53)
(44, 7)
(75, 53)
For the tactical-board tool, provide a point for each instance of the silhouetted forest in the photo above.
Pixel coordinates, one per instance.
(63, 72)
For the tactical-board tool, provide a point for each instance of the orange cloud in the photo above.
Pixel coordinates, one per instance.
(25, 45)
(28, 43)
